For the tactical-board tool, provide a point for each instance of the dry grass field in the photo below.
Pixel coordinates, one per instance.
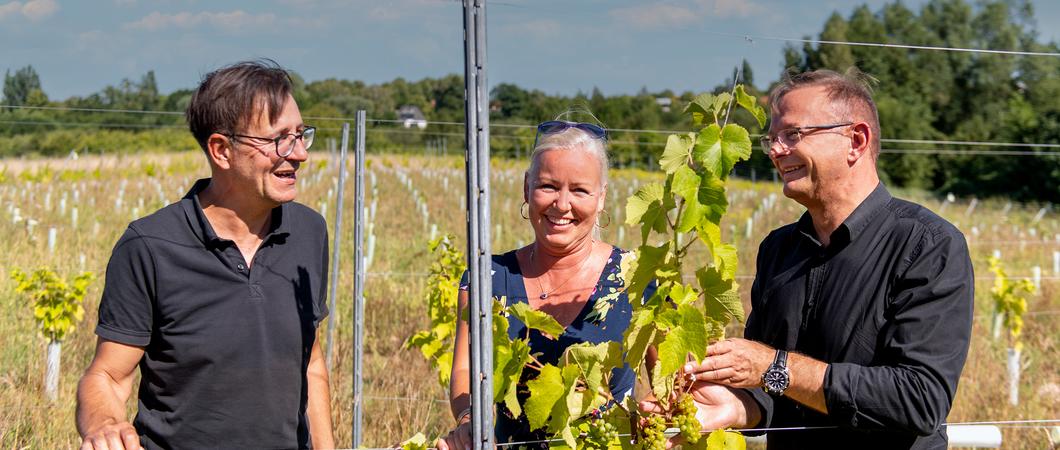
(402, 396)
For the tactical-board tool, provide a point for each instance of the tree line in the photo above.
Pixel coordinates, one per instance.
(921, 95)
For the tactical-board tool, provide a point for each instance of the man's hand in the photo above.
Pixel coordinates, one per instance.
(458, 439)
(101, 397)
(717, 407)
(733, 362)
(112, 436)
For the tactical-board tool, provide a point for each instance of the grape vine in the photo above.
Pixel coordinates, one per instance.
(571, 399)
(436, 344)
(1008, 303)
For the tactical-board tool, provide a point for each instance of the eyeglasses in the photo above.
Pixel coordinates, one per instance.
(559, 126)
(790, 137)
(283, 143)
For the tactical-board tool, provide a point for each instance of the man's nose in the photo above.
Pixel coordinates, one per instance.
(300, 153)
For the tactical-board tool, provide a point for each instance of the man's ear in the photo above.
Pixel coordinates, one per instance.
(219, 150)
(860, 142)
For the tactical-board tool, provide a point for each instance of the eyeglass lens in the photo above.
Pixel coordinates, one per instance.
(285, 148)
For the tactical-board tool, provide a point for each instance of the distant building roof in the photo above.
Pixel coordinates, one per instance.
(412, 116)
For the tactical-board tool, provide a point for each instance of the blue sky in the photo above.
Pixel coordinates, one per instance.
(78, 47)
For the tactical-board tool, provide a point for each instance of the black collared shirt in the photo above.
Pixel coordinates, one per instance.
(888, 304)
(226, 344)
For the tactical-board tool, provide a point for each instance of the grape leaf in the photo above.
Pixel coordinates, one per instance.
(417, 442)
(563, 411)
(708, 141)
(750, 103)
(508, 363)
(700, 107)
(648, 207)
(535, 319)
(726, 440)
(686, 184)
(678, 151)
(704, 196)
(721, 103)
(643, 265)
(724, 255)
(717, 150)
(595, 361)
(688, 337)
(640, 335)
(721, 297)
(682, 295)
(545, 390)
(712, 195)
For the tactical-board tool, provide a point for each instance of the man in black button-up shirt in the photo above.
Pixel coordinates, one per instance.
(869, 295)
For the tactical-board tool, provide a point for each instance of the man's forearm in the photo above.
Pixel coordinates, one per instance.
(319, 405)
(807, 381)
(100, 401)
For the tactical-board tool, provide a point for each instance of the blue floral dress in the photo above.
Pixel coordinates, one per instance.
(604, 318)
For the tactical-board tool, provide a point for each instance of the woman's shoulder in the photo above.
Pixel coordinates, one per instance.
(503, 265)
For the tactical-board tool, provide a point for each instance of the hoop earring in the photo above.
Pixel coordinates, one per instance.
(527, 215)
(604, 212)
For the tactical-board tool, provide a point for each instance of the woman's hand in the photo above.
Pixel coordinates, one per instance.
(458, 439)
(733, 362)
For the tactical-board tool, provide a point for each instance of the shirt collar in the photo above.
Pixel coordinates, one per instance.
(855, 223)
(201, 226)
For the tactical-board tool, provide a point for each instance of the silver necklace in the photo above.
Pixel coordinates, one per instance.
(544, 295)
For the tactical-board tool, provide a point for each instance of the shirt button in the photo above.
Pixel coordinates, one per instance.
(241, 267)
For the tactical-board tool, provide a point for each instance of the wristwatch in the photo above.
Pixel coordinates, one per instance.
(776, 378)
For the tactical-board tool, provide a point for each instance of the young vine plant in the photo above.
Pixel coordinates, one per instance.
(436, 343)
(1008, 301)
(571, 400)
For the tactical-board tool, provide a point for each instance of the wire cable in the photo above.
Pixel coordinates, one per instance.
(751, 38)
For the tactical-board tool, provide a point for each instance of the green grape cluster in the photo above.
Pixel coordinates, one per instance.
(652, 434)
(601, 435)
(685, 418)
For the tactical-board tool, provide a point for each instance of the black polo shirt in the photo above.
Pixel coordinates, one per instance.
(226, 345)
(888, 304)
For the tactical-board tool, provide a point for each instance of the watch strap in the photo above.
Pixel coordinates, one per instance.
(781, 359)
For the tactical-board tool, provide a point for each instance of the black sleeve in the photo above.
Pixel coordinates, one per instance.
(321, 305)
(127, 307)
(753, 331)
(923, 350)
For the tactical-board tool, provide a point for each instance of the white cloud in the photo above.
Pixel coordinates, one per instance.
(231, 20)
(660, 15)
(540, 29)
(736, 8)
(39, 9)
(34, 10)
(8, 9)
(655, 15)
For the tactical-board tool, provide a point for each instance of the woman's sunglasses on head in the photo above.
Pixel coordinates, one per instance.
(559, 126)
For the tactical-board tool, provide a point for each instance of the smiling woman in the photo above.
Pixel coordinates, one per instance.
(566, 272)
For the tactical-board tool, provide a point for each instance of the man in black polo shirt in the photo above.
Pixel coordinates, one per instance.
(217, 297)
(861, 311)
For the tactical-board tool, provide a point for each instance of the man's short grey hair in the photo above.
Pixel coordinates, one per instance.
(572, 139)
(849, 92)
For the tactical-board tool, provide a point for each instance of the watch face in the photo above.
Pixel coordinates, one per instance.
(776, 379)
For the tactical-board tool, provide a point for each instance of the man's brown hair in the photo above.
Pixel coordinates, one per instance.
(850, 94)
(230, 98)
